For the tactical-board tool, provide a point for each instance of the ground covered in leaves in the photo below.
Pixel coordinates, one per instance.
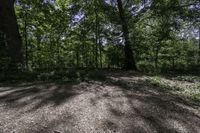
(123, 103)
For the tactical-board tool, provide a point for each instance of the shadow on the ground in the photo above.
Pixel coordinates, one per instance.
(134, 105)
(155, 109)
(38, 95)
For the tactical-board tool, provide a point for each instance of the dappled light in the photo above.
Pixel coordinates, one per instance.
(99, 66)
(132, 104)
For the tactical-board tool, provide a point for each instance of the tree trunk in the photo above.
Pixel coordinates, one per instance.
(129, 63)
(100, 54)
(96, 34)
(199, 47)
(77, 58)
(156, 58)
(8, 25)
(26, 40)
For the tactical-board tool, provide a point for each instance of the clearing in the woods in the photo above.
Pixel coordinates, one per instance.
(123, 103)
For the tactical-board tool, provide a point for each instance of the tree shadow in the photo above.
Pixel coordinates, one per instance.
(133, 105)
(157, 110)
(147, 86)
(38, 95)
(182, 77)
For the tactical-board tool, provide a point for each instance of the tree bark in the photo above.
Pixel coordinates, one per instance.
(96, 34)
(26, 39)
(129, 63)
(199, 47)
(9, 27)
(156, 58)
(100, 54)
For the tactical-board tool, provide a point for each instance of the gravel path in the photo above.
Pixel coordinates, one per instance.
(122, 105)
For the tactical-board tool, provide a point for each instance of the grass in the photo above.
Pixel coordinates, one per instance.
(187, 86)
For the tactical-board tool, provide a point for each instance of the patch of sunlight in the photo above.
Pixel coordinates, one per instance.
(179, 126)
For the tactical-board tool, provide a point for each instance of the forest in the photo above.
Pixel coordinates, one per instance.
(99, 66)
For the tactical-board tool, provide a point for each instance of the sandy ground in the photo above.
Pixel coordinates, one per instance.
(122, 104)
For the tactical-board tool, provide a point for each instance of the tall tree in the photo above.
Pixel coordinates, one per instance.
(129, 63)
(96, 32)
(199, 46)
(9, 27)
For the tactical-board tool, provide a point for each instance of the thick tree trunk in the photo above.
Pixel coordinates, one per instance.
(199, 47)
(129, 63)
(8, 25)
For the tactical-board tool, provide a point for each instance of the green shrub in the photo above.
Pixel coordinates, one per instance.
(145, 66)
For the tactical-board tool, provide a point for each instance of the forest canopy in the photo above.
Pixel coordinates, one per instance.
(59, 35)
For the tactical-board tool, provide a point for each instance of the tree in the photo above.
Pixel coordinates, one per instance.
(199, 48)
(129, 63)
(9, 27)
(100, 33)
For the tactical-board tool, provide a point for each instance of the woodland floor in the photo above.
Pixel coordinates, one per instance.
(123, 103)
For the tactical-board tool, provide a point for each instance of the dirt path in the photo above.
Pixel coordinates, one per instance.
(123, 105)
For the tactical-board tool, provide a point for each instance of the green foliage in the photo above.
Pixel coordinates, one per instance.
(145, 66)
(190, 88)
(64, 34)
(115, 56)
